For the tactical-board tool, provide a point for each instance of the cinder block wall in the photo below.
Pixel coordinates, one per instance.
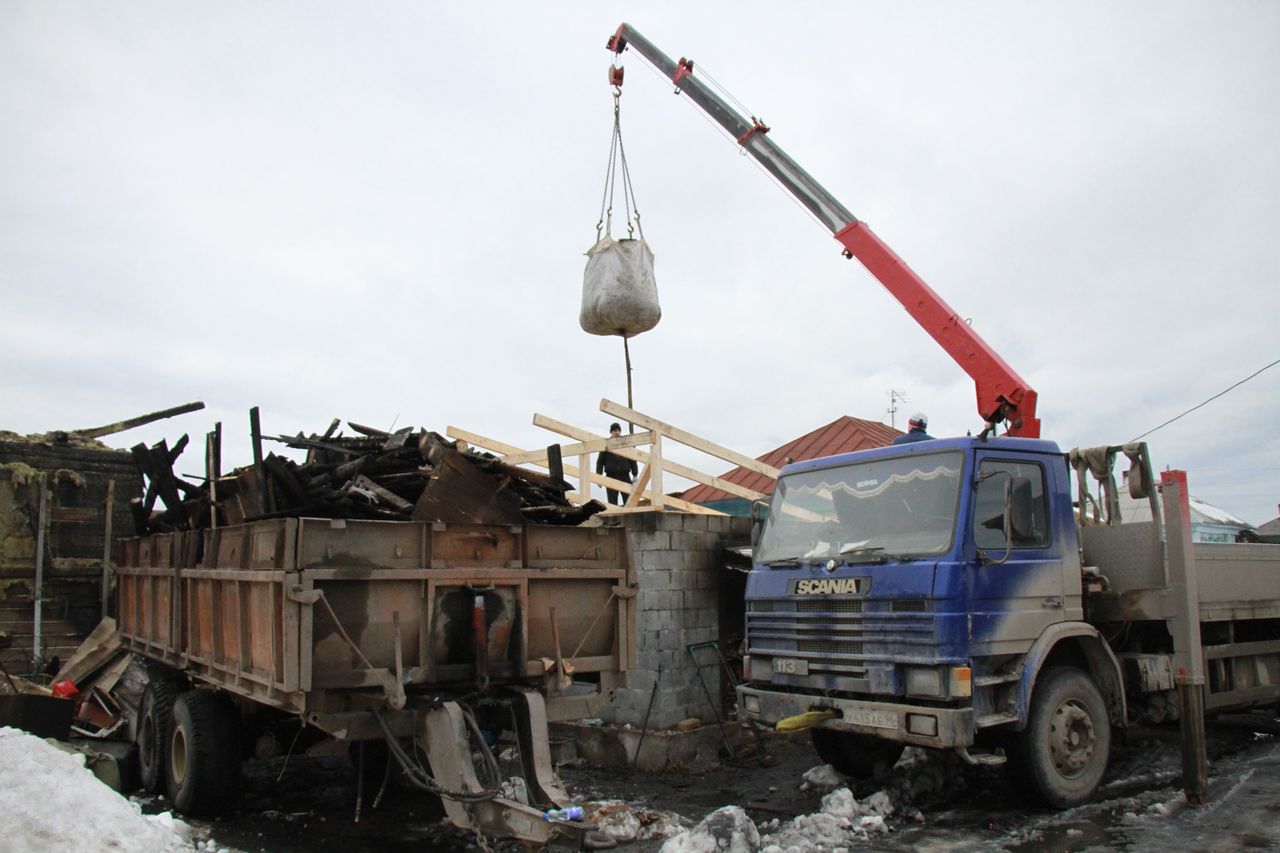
(679, 565)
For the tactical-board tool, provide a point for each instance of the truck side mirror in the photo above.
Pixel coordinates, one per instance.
(758, 510)
(1020, 508)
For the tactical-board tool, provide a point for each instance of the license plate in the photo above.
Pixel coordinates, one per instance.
(876, 719)
(791, 666)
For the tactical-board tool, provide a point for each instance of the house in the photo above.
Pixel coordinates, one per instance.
(1208, 522)
(843, 435)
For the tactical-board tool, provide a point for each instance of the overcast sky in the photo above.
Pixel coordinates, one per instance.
(379, 212)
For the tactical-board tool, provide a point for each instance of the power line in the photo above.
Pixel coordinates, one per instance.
(1210, 400)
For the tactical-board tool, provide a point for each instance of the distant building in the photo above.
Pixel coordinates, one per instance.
(843, 435)
(1208, 522)
(1270, 532)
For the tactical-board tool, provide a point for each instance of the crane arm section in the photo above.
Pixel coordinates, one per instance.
(1002, 395)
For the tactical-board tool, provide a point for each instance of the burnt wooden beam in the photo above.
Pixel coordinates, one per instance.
(555, 465)
(372, 432)
(180, 446)
(255, 436)
(140, 420)
(294, 492)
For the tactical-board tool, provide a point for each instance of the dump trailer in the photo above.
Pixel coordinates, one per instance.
(403, 634)
(946, 594)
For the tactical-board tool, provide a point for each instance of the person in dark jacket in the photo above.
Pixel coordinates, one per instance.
(915, 430)
(615, 466)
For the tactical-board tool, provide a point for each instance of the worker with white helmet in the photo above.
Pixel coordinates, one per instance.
(915, 430)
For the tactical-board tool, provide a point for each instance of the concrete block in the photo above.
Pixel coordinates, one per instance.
(687, 540)
(650, 579)
(671, 520)
(696, 522)
(665, 560)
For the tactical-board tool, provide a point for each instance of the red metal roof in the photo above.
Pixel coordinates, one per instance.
(843, 435)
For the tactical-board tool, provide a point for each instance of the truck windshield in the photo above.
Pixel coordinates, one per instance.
(887, 509)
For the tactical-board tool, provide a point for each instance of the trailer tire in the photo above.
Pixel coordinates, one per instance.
(855, 755)
(154, 714)
(203, 766)
(1063, 751)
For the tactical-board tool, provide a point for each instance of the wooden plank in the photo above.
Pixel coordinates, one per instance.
(687, 438)
(641, 456)
(655, 472)
(594, 445)
(106, 547)
(497, 446)
(638, 489)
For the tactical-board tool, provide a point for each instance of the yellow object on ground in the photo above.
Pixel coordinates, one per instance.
(803, 721)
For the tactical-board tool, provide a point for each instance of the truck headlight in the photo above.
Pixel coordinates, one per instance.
(924, 681)
(759, 668)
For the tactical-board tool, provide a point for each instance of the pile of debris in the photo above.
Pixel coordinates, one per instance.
(410, 474)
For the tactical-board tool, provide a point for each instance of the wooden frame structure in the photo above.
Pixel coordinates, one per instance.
(646, 494)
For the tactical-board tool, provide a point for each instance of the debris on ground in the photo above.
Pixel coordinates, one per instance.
(51, 801)
(627, 822)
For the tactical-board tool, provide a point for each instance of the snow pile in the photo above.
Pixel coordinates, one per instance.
(822, 778)
(725, 830)
(841, 821)
(52, 802)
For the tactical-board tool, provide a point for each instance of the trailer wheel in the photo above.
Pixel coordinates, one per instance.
(153, 730)
(203, 766)
(855, 755)
(1063, 751)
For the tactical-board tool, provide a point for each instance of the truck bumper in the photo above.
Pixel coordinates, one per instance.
(914, 724)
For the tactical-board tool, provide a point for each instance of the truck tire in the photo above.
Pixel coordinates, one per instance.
(855, 755)
(1063, 751)
(203, 766)
(153, 730)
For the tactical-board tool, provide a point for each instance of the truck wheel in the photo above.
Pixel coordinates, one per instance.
(1064, 749)
(153, 730)
(859, 756)
(203, 766)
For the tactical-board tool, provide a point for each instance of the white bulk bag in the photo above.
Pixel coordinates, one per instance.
(619, 295)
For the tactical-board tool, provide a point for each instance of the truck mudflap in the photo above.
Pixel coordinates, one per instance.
(923, 726)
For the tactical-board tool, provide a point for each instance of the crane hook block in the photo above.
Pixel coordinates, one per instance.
(615, 76)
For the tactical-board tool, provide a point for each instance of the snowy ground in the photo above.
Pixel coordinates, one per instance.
(51, 801)
(931, 802)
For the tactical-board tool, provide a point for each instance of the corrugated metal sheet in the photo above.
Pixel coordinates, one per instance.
(842, 435)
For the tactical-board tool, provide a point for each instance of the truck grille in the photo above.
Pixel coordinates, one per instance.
(841, 635)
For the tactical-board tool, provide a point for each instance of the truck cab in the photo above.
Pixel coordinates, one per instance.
(898, 595)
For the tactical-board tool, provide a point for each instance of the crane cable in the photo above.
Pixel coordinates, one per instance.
(618, 157)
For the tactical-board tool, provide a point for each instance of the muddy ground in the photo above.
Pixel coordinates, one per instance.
(309, 803)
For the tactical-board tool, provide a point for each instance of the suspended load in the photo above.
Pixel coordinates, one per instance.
(619, 293)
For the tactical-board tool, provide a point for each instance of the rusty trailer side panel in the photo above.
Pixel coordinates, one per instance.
(315, 615)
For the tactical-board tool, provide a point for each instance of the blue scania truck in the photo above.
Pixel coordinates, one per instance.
(946, 594)
(961, 593)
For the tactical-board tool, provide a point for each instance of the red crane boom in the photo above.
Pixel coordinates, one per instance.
(1002, 395)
